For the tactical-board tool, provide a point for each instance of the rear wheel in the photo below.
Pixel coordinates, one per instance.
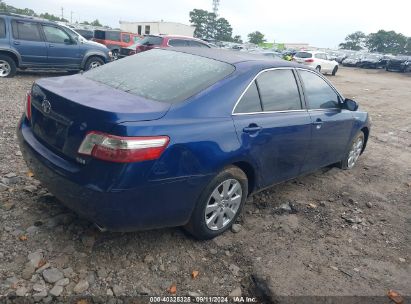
(7, 66)
(351, 157)
(115, 54)
(318, 68)
(335, 70)
(219, 205)
(93, 62)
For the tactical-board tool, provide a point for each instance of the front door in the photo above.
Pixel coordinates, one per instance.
(28, 42)
(273, 127)
(62, 50)
(331, 125)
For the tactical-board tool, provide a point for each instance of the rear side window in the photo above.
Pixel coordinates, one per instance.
(2, 28)
(197, 44)
(279, 91)
(318, 93)
(303, 55)
(177, 42)
(168, 76)
(23, 30)
(250, 101)
(151, 40)
(114, 36)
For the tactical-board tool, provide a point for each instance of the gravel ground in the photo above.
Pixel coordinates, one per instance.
(337, 233)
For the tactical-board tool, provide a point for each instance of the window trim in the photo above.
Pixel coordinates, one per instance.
(323, 78)
(298, 85)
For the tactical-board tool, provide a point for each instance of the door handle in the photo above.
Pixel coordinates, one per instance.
(16, 42)
(252, 128)
(318, 123)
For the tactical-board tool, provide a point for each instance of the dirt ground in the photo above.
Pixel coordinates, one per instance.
(347, 233)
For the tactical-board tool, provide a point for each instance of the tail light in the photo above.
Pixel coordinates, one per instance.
(309, 60)
(27, 105)
(123, 149)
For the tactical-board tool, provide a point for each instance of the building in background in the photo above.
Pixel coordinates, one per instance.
(155, 28)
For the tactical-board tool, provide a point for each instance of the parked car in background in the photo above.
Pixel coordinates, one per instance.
(152, 41)
(87, 34)
(399, 63)
(115, 40)
(353, 60)
(317, 60)
(29, 42)
(374, 61)
(191, 133)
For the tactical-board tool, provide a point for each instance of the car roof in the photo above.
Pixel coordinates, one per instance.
(231, 57)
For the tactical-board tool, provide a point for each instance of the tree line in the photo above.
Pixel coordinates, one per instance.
(29, 12)
(386, 42)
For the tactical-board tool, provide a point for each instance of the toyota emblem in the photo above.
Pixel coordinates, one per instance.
(46, 106)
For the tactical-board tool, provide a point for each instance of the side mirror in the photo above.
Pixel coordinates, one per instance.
(350, 105)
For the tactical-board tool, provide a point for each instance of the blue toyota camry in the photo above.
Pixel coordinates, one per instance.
(181, 137)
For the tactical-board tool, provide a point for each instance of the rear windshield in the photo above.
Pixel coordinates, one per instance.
(150, 40)
(303, 55)
(161, 75)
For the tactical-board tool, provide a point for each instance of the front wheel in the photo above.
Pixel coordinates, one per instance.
(219, 205)
(335, 70)
(93, 62)
(351, 157)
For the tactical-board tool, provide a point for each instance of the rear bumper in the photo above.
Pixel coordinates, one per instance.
(154, 204)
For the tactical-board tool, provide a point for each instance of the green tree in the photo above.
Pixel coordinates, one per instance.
(237, 39)
(354, 41)
(96, 23)
(256, 37)
(408, 46)
(386, 42)
(223, 30)
(208, 26)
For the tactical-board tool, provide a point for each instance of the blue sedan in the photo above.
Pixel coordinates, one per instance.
(181, 137)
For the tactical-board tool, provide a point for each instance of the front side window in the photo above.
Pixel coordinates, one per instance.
(151, 40)
(126, 38)
(250, 101)
(177, 42)
(55, 35)
(2, 28)
(318, 93)
(279, 91)
(23, 30)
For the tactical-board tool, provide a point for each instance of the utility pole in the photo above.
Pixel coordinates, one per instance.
(71, 17)
(62, 12)
(216, 4)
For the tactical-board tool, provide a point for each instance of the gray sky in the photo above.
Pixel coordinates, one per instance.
(318, 22)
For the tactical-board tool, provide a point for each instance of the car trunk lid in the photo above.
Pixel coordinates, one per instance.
(64, 109)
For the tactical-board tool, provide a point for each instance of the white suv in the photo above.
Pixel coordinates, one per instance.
(318, 61)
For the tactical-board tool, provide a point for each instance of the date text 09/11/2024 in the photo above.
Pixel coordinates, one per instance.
(203, 299)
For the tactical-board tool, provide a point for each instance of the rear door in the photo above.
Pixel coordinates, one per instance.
(28, 41)
(62, 50)
(331, 125)
(273, 126)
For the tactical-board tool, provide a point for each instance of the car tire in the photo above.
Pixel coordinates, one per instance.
(8, 66)
(115, 54)
(318, 68)
(355, 149)
(222, 214)
(335, 70)
(93, 62)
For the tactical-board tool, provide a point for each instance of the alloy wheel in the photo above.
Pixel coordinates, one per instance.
(223, 204)
(94, 64)
(355, 152)
(5, 68)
